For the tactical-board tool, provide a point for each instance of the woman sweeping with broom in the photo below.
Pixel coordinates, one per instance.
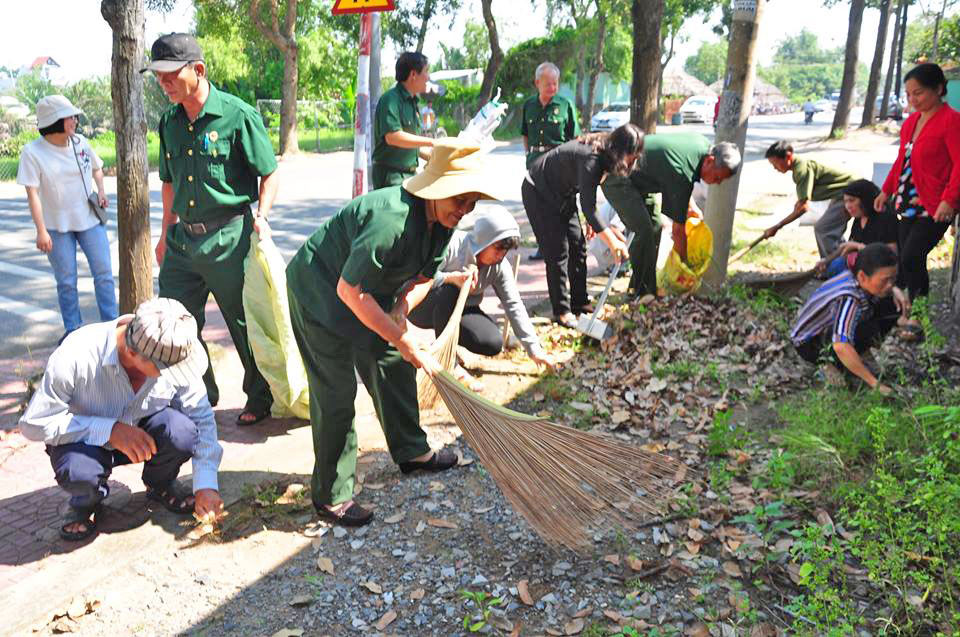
(350, 288)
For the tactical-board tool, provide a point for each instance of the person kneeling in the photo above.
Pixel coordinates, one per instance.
(853, 312)
(493, 235)
(128, 391)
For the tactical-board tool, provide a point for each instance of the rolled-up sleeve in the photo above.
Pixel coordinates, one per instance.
(48, 417)
(193, 403)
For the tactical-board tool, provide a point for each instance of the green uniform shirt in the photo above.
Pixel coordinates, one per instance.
(670, 165)
(549, 125)
(816, 182)
(397, 110)
(378, 241)
(214, 162)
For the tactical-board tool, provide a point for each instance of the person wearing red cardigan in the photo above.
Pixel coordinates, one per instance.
(925, 180)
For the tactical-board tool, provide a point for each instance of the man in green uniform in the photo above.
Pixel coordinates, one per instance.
(350, 288)
(670, 165)
(815, 182)
(396, 127)
(547, 121)
(213, 150)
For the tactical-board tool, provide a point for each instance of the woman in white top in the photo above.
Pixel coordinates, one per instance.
(58, 171)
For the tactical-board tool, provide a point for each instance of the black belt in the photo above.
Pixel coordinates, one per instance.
(205, 227)
(396, 169)
(541, 149)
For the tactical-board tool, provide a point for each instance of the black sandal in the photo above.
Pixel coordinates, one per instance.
(439, 461)
(258, 416)
(352, 515)
(74, 515)
(173, 497)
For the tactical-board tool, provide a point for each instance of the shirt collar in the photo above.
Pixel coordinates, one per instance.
(404, 93)
(110, 356)
(212, 106)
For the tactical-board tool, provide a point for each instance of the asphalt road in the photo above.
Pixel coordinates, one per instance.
(312, 188)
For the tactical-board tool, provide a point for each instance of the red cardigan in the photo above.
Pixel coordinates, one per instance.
(935, 159)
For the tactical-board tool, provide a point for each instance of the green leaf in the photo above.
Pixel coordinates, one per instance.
(805, 570)
(477, 626)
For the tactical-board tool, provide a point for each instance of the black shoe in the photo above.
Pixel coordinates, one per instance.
(536, 256)
(353, 515)
(439, 461)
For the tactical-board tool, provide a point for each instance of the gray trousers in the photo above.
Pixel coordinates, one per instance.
(830, 227)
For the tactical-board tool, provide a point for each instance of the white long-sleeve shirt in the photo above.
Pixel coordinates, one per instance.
(85, 390)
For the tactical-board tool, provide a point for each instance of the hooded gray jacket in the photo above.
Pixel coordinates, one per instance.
(461, 253)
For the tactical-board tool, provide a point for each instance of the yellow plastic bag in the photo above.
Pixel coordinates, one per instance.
(269, 330)
(679, 277)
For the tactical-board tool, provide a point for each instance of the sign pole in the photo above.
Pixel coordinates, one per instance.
(361, 129)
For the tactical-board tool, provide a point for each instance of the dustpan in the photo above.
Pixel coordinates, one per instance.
(594, 327)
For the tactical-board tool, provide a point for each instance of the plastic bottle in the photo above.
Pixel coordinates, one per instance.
(481, 127)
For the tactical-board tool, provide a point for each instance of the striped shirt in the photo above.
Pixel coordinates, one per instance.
(839, 304)
(85, 390)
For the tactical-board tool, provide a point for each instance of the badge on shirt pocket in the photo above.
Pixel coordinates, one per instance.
(218, 152)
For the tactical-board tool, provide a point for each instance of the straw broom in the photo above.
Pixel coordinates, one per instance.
(444, 350)
(568, 484)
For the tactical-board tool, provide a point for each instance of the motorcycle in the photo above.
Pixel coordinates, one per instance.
(428, 117)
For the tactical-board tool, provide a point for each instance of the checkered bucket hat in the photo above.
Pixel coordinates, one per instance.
(164, 332)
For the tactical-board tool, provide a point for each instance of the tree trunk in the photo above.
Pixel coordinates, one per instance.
(900, 45)
(935, 49)
(873, 84)
(496, 53)
(647, 16)
(285, 39)
(736, 101)
(842, 117)
(126, 18)
(425, 23)
(587, 114)
(888, 84)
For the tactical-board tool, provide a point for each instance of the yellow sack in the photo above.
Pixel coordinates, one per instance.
(677, 277)
(269, 330)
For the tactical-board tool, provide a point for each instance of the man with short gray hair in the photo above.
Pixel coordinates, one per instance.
(670, 165)
(128, 391)
(547, 121)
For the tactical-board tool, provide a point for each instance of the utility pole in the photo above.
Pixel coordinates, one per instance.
(735, 104)
(375, 43)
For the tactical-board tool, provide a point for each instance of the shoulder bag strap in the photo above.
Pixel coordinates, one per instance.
(83, 178)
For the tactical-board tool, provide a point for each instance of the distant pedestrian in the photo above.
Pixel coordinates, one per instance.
(547, 120)
(925, 179)
(549, 194)
(672, 165)
(128, 391)
(815, 182)
(397, 127)
(215, 160)
(59, 171)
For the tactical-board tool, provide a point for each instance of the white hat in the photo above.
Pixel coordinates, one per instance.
(52, 108)
(164, 332)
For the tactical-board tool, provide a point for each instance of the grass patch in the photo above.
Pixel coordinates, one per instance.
(318, 140)
(105, 148)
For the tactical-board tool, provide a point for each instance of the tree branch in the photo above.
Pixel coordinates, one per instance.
(274, 36)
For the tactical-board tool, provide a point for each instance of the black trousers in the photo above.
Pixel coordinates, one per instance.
(556, 224)
(478, 332)
(868, 334)
(82, 470)
(918, 236)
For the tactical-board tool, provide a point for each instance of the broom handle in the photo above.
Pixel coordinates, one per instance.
(452, 329)
(750, 247)
(606, 290)
(506, 319)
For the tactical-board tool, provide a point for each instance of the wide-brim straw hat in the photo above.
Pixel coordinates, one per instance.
(454, 168)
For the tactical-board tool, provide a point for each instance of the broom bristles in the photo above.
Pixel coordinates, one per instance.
(567, 483)
(444, 350)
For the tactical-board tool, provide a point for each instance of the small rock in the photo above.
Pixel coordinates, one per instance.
(339, 532)
(479, 580)
(549, 598)
(357, 544)
(448, 572)
(642, 612)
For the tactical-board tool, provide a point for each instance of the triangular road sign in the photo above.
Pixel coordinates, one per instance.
(361, 6)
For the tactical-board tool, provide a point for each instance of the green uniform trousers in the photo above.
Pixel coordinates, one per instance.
(639, 216)
(384, 176)
(330, 360)
(193, 267)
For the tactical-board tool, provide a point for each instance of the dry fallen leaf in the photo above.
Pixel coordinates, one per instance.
(437, 486)
(325, 564)
(613, 559)
(583, 612)
(386, 620)
(573, 627)
(482, 510)
(619, 416)
(396, 517)
(524, 593)
(697, 630)
(290, 495)
(613, 615)
(694, 534)
(441, 523)
(732, 569)
(693, 547)
(823, 519)
(634, 563)
(417, 594)
(681, 473)
(373, 587)
(288, 632)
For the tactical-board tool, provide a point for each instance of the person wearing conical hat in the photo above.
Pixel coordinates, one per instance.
(350, 289)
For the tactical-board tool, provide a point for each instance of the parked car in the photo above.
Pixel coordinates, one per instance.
(894, 108)
(698, 108)
(613, 116)
(825, 105)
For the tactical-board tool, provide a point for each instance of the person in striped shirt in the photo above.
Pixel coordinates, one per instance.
(851, 313)
(128, 391)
